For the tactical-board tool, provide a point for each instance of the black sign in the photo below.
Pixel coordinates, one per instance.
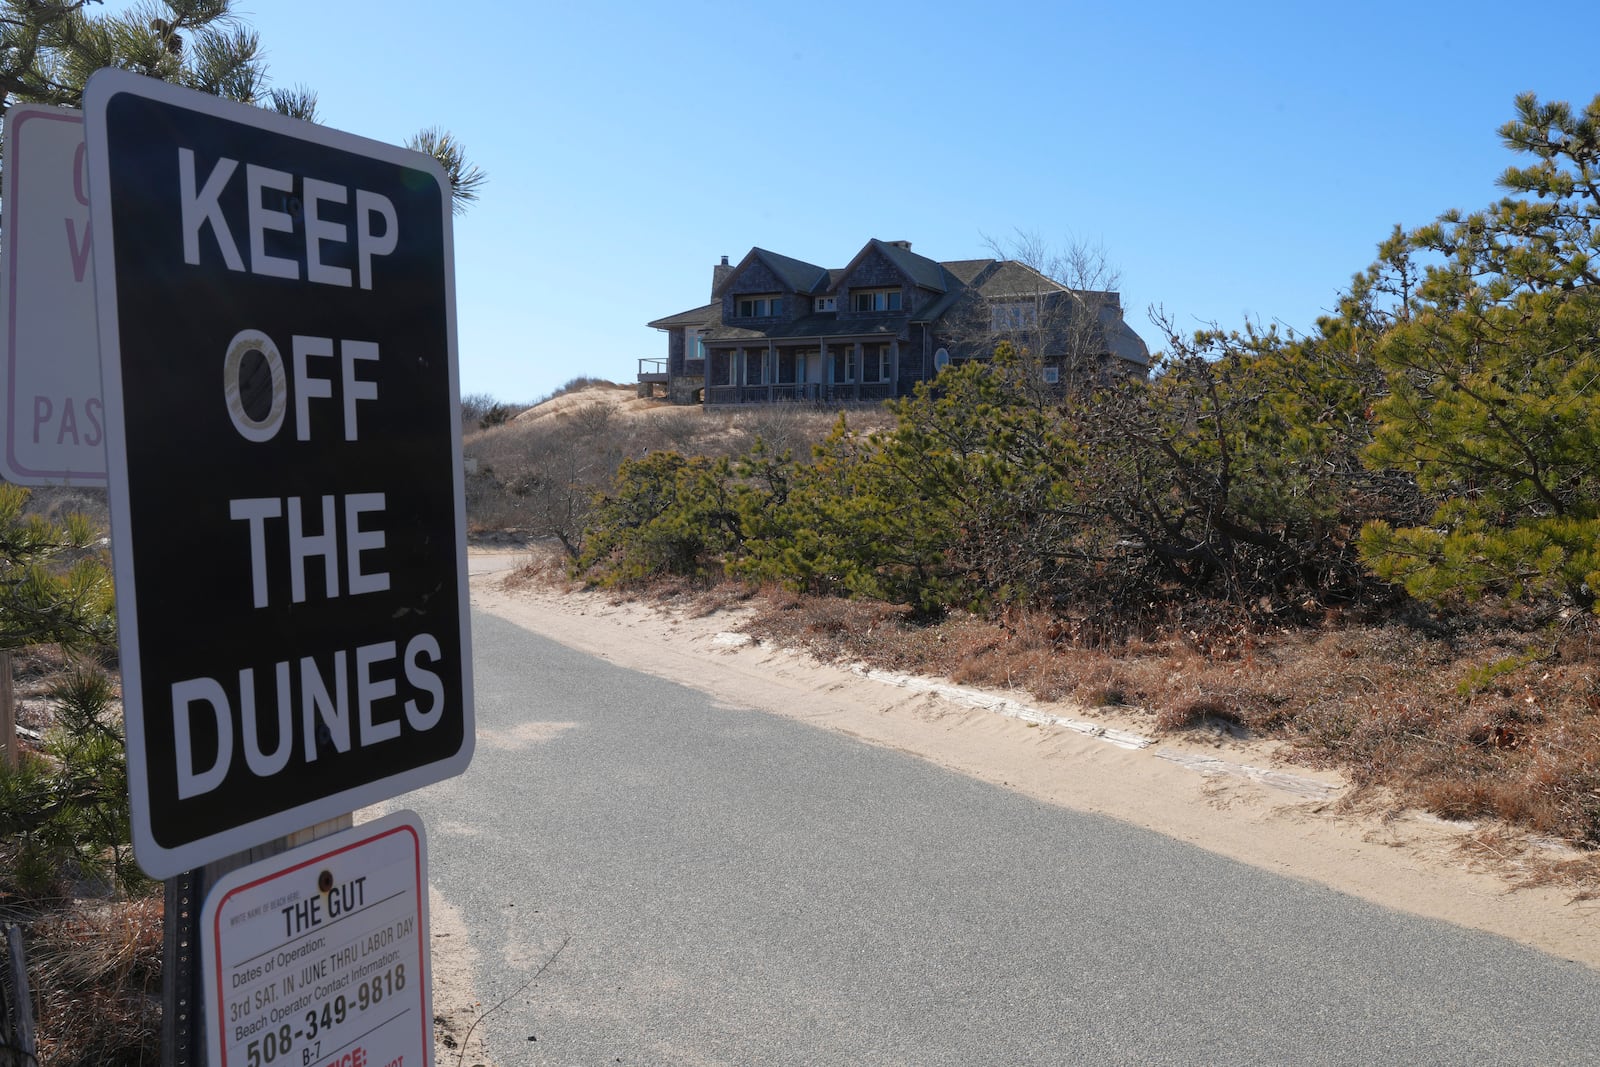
(278, 338)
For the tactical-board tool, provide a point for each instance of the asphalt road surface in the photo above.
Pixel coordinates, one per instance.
(723, 886)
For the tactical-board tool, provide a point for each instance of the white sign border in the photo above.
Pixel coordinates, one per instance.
(286, 863)
(157, 860)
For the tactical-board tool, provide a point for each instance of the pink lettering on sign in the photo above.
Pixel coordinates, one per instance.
(79, 250)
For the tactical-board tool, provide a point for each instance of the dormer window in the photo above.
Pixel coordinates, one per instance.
(877, 300)
(760, 307)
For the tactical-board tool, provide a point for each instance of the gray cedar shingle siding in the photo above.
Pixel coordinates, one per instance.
(675, 347)
(795, 275)
(753, 279)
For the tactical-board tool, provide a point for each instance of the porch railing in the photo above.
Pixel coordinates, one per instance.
(798, 393)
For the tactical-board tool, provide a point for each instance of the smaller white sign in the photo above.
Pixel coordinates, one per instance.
(318, 957)
(50, 402)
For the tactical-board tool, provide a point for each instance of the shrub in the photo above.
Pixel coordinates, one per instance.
(666, 516)
(64, 814)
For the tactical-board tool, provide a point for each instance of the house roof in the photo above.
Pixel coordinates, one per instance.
(795, 275)
(813, 327)
(1010, 278)
(1121, 339)
(965, 270)
(699, 316)
(920, 269)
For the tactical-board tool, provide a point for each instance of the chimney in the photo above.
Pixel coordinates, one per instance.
(900, 244)
(719, 272)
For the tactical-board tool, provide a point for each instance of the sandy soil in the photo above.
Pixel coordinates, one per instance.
(622, 399)
(1230, 796)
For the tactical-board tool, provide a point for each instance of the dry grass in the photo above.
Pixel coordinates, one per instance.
(95, 968)
(1408, 707)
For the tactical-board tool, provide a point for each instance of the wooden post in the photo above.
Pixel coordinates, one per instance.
(17, 1042)
(10, 755)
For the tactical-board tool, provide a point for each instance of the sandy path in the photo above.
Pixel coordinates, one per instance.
(1220, 794)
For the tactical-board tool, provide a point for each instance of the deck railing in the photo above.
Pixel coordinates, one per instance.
(798, 393)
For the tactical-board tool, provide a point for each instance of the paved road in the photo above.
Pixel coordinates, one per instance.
(738, 888)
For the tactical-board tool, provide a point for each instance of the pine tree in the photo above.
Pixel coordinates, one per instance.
(49, 48)
(1493, 366)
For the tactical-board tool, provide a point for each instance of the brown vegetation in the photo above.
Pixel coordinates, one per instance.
(96, 971)
(1405, 705)
(92, 927)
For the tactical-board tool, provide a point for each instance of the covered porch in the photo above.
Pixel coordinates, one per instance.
(821, 371)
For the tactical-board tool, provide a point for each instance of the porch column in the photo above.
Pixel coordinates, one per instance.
(894, 368)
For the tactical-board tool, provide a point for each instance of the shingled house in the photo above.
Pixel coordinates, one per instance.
(779, 329)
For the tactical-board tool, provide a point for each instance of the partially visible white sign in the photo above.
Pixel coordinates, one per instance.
(318, 957)
(54, 420)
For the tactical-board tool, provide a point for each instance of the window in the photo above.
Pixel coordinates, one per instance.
(826, 303)
(760, 307)
(1050, 375)
(875, 363)
(1014, 316)
(878, 300)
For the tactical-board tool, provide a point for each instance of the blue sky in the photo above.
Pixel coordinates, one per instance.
(1232, 159)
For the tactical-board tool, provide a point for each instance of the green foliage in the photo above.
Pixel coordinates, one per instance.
(841, 524)
(1236, 471)
(982, 467)
(1482, 676)
(66, 813)
(49, 48)
(1493, 368)
(55, 585)
(666, 516)
(968, 502)
(1235, 474)
(466, 180)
